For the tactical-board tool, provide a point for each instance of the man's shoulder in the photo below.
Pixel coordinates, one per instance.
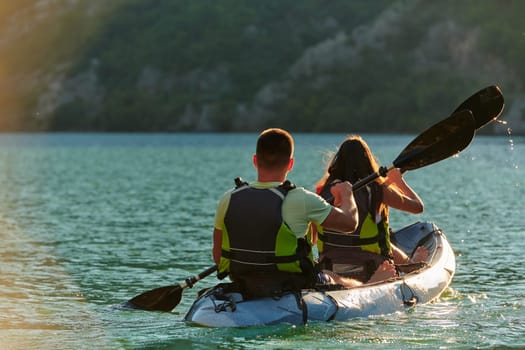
(306, 205)
(225, 197)
(303, 193)
(302, 189)
(298, 190)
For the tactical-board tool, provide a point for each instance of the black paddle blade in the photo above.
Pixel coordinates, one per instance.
(486, 105)
(158, 299)
(442, 140)
(167, 297)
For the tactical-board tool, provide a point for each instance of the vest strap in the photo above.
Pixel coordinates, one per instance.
(342, 240)
(258, 258)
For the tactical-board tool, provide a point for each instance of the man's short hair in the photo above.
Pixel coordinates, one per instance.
(274, 148)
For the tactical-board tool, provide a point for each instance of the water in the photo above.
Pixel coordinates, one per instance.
(88, 221)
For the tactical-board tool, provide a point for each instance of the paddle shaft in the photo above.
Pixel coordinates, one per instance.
(190, 281)
(372, 177)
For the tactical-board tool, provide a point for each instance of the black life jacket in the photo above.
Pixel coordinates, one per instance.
(369, 236)
(255, 237)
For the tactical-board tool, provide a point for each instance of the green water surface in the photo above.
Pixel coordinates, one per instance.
(88, 221)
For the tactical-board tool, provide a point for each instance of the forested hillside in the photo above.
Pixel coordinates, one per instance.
(242, 65)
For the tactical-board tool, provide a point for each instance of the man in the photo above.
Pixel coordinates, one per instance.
(260, 239)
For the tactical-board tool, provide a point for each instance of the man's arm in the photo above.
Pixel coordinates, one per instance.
(217, 243)
(219, 222)
(344, 215)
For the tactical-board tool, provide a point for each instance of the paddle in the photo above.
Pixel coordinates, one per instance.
(486, 105)
(442, 140)
(167, 297)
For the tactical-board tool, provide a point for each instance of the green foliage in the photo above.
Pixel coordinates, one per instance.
(183, 65)
(253, 42)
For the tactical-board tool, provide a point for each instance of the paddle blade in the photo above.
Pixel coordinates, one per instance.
(158, 299)
(166, 298)
(442, 140)
(486, 105)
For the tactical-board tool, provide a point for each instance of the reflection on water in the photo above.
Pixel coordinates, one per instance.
(34, 290)
(89, 221)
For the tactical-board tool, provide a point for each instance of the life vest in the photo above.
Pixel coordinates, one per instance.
(256, 239)
(370, 236)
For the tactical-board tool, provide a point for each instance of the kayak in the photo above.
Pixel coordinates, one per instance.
(418, 283)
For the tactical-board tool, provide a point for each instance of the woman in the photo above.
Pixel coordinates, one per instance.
(366, 254)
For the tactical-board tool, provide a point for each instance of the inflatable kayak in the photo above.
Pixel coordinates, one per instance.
(223, 306)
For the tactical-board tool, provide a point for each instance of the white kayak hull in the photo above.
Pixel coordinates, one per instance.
(217, 308)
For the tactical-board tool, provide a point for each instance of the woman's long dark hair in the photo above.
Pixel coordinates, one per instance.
(352, 162)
